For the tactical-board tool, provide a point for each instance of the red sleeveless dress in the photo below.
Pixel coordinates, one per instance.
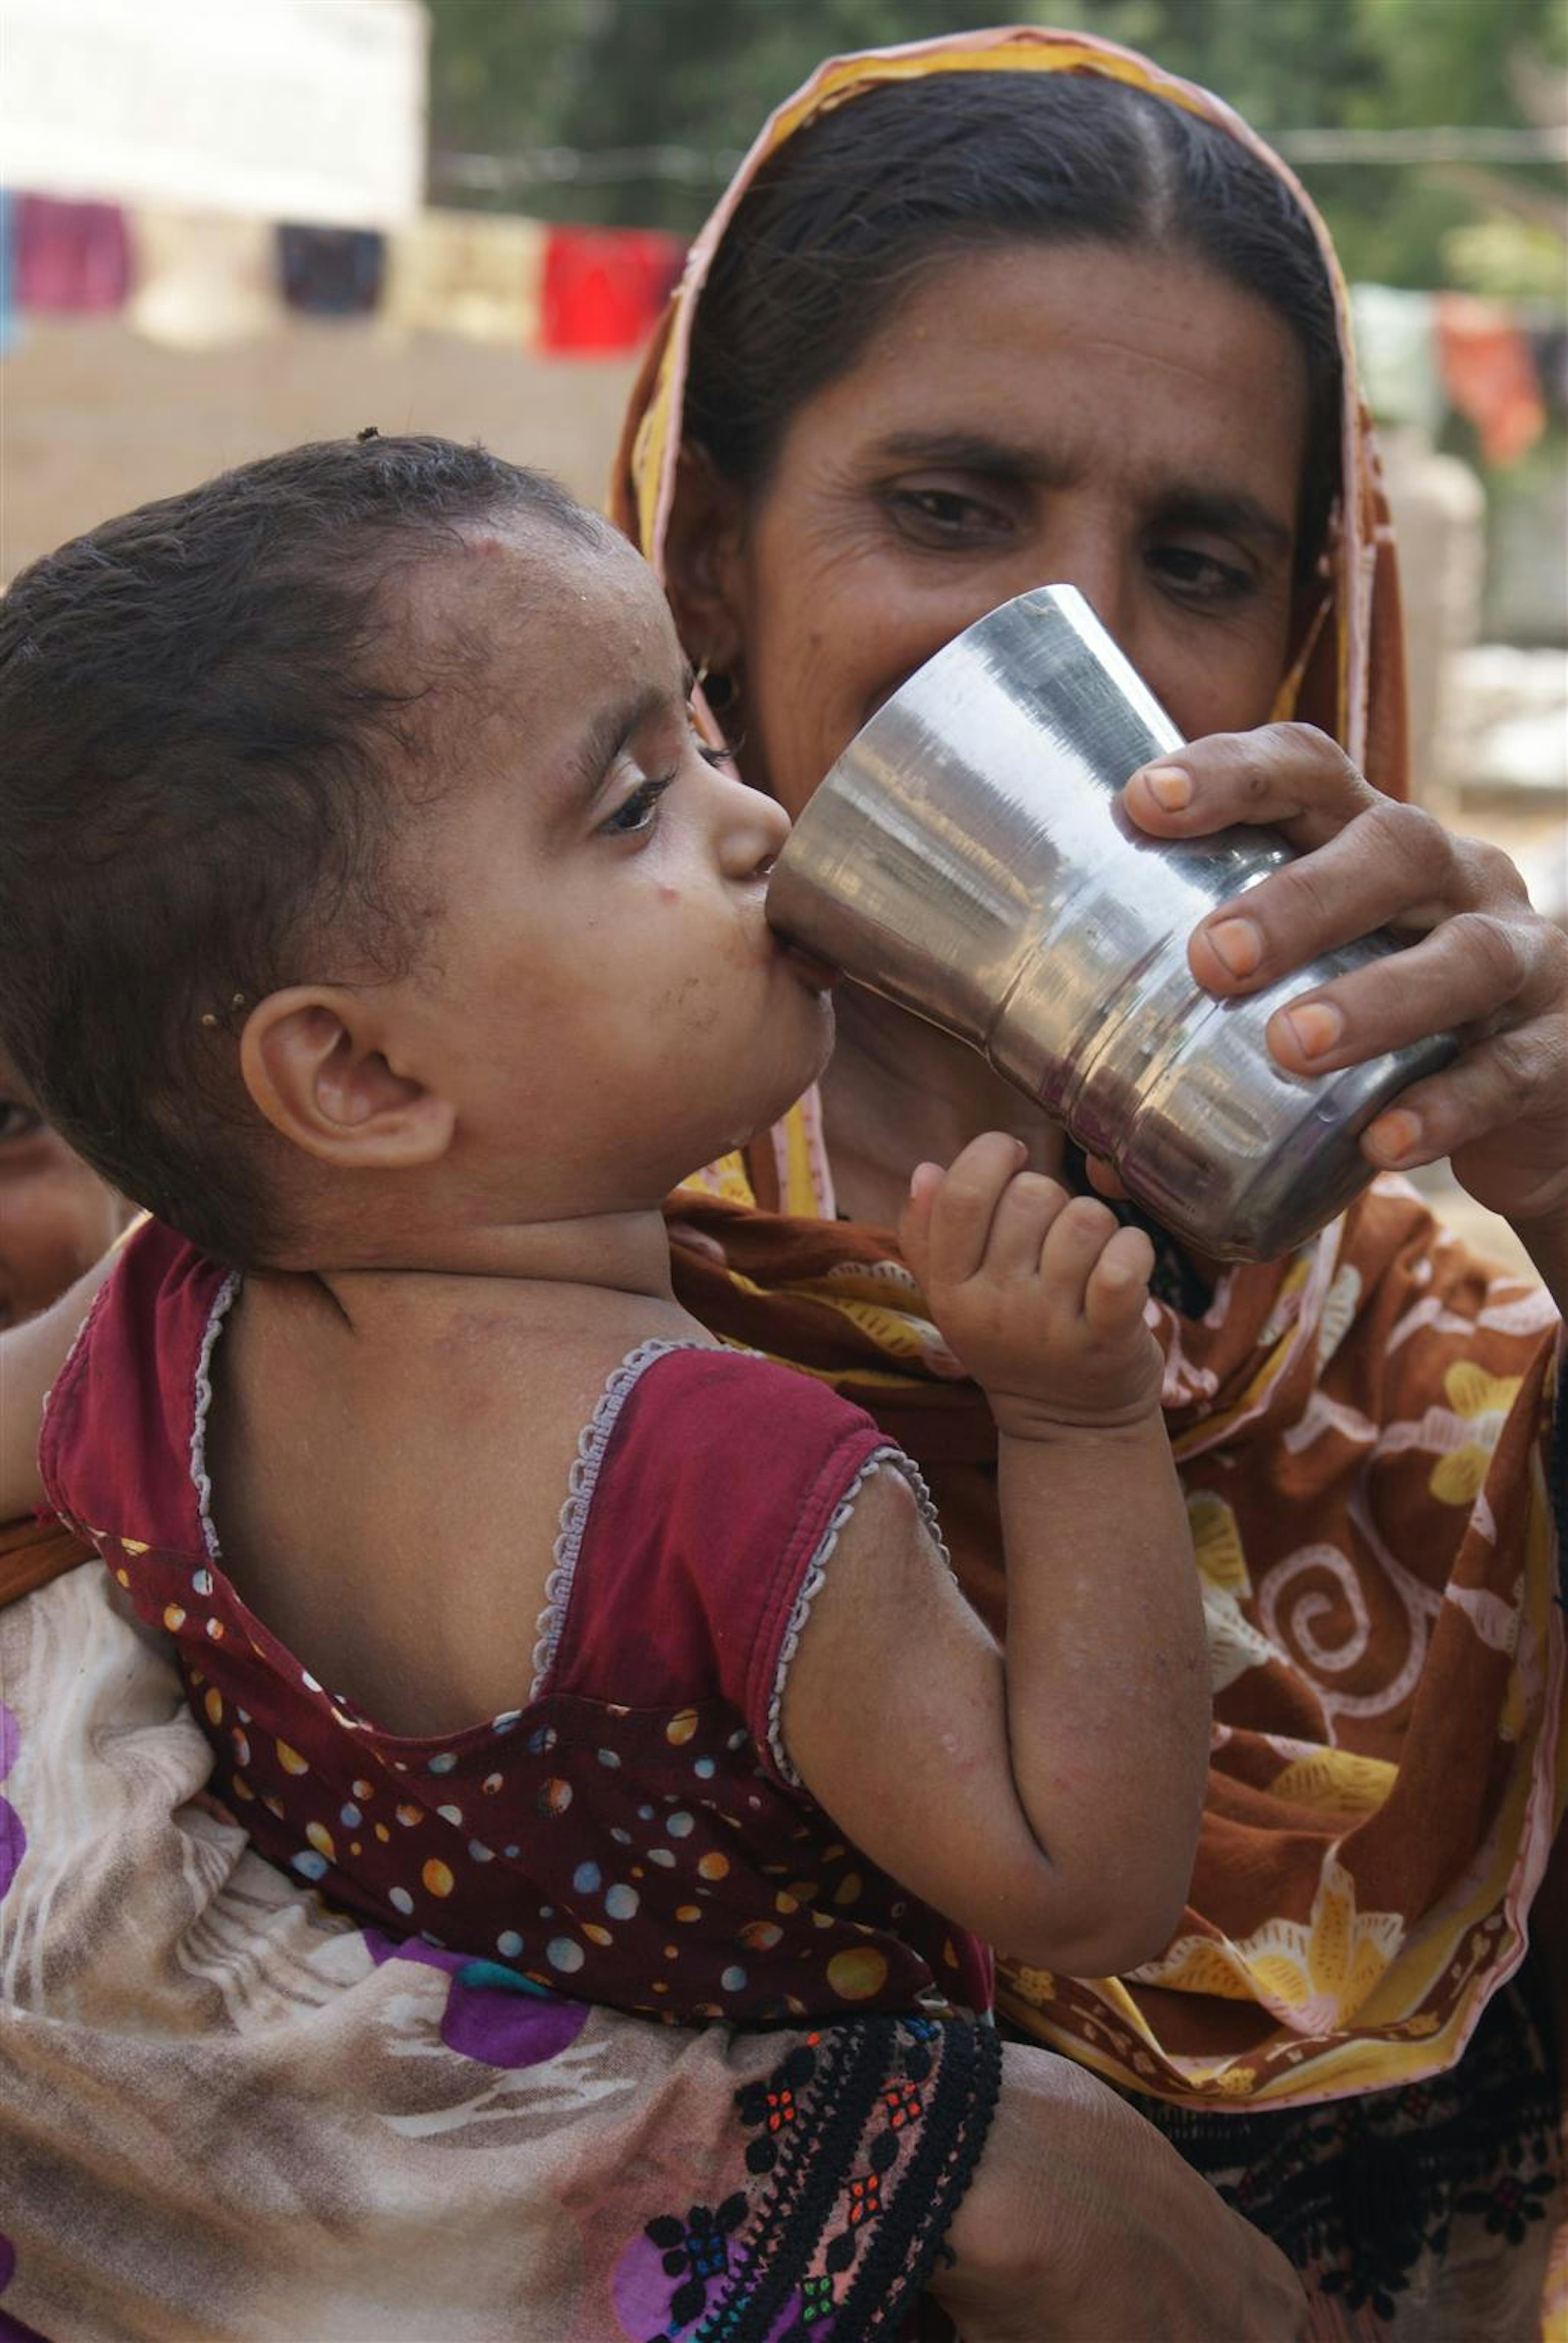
(632, 1831)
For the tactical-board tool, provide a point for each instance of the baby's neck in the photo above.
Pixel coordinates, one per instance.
(382, 1436)
(607, 1261)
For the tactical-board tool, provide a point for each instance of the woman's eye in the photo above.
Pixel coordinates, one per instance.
(1201, 576)
(719, 757)
(16, 1121)
(945, 517)
(638, 811)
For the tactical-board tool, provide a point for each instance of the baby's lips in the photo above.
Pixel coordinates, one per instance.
(819, 974)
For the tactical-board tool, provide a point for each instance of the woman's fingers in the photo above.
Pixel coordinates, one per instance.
(1473, 970)
(1104, 1179)
(1506, 1080)
(1290, 775)
(1390, 867)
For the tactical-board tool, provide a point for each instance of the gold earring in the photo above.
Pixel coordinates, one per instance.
(716, 686)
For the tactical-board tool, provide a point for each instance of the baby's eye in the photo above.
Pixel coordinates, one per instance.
(638, 811)
(16, 1121)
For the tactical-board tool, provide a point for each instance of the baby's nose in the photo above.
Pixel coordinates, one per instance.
(756, 836)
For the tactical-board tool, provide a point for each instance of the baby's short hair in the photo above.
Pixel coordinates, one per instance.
(203, 728)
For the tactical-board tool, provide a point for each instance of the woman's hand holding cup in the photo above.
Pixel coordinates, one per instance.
(1481, 961)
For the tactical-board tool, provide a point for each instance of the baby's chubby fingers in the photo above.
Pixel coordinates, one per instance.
(1074, 1244)
(1118, 1286)
(946, 1226)
(1027, 1211)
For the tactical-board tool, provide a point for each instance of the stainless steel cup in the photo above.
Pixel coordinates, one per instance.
(969, 858)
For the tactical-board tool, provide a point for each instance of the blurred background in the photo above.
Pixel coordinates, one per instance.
(229, 227)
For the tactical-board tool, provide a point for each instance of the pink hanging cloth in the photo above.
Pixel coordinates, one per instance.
(72, 259)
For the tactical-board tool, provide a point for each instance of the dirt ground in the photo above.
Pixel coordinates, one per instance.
(94, 418)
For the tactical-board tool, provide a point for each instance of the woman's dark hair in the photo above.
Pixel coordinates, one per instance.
(210, 735)
(858, 204)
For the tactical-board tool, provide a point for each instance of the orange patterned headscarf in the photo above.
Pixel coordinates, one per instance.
(1348, 675)
(1359, 1430)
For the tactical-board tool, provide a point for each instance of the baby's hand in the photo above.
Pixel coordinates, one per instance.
(1040, 1294)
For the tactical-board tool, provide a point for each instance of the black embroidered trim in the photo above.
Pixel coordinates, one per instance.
(903, 2254)
(829, 2125)
(1358, 2192)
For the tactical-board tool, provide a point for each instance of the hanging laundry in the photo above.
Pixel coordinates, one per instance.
(203, 278)
(1396, 354)
(475, 274)
(605, 287)
(1489, 374)
(331, 272)
(71, 259)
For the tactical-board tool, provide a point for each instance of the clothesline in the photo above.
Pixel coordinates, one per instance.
(196, 280)
(601, 166)
(201, 279)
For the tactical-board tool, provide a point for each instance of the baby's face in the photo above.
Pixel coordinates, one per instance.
(599, 994)
(56, 1215)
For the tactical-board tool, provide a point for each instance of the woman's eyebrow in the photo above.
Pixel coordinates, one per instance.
(1229, 512)
(968, 451)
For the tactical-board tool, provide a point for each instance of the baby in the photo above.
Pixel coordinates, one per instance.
(371, 913)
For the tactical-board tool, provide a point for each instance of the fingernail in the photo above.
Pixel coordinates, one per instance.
(1169, 785)
(1239, 943)
(1396, 1134)
(1317, 1026)
(920, 1176)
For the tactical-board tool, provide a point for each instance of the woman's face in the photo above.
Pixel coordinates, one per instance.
(1028, 415)
(56, 1215)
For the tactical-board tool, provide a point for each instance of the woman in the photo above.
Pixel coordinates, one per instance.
(1014, 308)
(56, 1217)
(289, 2097)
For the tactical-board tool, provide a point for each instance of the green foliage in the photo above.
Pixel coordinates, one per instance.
(511, 75)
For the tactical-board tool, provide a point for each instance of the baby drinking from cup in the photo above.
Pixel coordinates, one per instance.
(371, 913)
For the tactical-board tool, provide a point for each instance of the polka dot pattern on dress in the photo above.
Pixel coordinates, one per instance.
(642, 1852)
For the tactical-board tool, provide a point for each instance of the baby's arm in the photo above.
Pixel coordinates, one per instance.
(1049, 1798)
(31, 1356)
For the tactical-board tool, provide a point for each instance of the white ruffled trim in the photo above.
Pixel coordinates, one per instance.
(200, 1476)
(78, 1339)
(817, 1571)
(582, 1482)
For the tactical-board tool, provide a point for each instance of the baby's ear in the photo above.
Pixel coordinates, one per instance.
(313, 1059)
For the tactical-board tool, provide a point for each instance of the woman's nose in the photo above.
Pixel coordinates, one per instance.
(1092, 557)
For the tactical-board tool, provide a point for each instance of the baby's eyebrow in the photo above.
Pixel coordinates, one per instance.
(608, 733)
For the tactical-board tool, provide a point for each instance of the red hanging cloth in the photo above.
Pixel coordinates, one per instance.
(604, 288)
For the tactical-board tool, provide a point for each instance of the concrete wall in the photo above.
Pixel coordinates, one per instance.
(94, 418)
